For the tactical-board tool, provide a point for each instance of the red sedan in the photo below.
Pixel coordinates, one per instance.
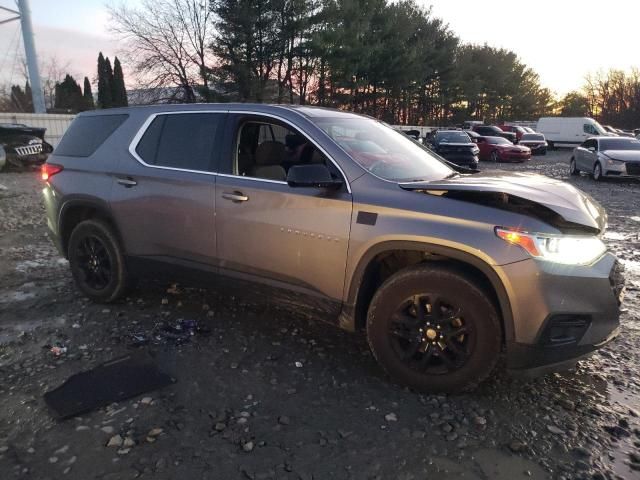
(498, 149)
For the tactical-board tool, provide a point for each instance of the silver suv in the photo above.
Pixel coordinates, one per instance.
(445, 270)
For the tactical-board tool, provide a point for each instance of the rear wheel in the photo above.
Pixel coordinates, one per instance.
(495, 157)
(97, 262)
(432, 329)
(597, 172)
(573, 169)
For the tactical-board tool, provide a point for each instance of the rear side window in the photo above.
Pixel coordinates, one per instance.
(86, 134)
(183, 140)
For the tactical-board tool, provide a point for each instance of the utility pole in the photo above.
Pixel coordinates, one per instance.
(24, 14)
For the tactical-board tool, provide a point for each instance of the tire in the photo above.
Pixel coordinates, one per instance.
(573, 170)
(597, 172)
(97, 261)
(544, 152)
(495, 158)
(467, 322)
(550, 145)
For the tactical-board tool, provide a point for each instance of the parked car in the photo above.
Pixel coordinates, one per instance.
(607, 157)
(457, 147)
(519, 131)
(444, 271)
(609, 129)
(568, 131)
(498, 149)
(534, 141)
(23, 146)
(529, 130)
(473, 135)
(493, 131)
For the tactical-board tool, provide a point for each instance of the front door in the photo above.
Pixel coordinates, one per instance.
(292, 237)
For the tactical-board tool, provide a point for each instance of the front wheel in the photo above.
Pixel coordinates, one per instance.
(97, 261)
(597, 172)
(573, 169)
(434, 330)
(495, 158)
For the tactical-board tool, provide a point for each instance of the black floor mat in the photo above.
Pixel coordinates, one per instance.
(114, 381)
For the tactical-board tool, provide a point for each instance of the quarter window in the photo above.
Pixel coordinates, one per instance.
(183, 141)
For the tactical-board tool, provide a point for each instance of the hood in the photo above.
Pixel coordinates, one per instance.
(557, 203)
(457, 144)
(625, 155)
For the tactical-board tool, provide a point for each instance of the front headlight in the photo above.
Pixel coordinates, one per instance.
(614, 163)
(567, 249)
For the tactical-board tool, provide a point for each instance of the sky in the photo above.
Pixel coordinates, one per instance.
(562, 40)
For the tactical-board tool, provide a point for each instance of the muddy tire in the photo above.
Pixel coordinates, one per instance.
(97, 261)
(433, 330)
(573, 169)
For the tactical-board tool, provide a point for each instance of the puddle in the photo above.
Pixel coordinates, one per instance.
(621, 448)
(25, 292)
(27, 265)
(12, 332)
(614, 235)
(631, 266)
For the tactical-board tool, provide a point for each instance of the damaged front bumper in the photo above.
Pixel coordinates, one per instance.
(567, 313)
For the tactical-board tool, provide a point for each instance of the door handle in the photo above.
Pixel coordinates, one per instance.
(127, 182)
(235, 196)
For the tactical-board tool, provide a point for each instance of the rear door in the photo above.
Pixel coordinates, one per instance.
(164, 195)
(296, 238)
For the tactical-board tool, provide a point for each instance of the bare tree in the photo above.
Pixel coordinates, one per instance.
(52, 71)
(167, 43)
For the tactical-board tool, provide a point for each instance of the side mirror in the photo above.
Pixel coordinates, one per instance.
(315, 176)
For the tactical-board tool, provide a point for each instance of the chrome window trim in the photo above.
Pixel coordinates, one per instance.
(306, 134)
(138, 136)
(143, 129)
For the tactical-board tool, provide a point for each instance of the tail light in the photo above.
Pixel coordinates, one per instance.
(49, 170)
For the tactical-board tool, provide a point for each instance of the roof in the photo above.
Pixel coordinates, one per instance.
(304, 110)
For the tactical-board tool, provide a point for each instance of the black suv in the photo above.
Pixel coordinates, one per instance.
(493, 131)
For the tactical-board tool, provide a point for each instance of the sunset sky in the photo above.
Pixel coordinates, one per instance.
(561, 40)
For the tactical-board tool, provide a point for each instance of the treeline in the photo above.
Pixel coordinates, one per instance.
(68, 96)
(392, 60)
(613, 98)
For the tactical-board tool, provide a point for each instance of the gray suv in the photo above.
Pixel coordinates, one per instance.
(444, 269)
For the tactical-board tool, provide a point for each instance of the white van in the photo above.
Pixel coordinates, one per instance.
(568, 131)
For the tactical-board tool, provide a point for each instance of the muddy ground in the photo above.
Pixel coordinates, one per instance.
(272, 393)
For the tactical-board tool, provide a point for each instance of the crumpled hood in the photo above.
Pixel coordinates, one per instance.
(624, 155)
(573, 205)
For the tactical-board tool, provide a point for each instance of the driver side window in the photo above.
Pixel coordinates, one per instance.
(268, 150)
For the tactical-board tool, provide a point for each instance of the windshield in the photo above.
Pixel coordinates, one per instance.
(532, 136)
(452, 137)
(498, 141)
(383, 151)
(620, 144)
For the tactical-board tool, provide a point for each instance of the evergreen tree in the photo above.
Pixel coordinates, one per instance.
(105, 79)
(21, 100)
(118, 90)
(88, 95)
(69, 95)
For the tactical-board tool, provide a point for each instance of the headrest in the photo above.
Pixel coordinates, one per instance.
(270, 153)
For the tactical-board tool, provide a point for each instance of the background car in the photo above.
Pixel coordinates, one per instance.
(607, 157)
(519, 131)
(535, 141)
(457, 147)
(493, 131)
(23, 146)
(498, 149)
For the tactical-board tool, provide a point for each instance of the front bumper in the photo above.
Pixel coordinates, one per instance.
(512, 156)
(561, 312)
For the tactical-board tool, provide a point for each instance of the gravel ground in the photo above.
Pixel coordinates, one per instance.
(273, 392)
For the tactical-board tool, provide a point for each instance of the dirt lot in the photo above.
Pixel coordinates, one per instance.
(272, 393)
